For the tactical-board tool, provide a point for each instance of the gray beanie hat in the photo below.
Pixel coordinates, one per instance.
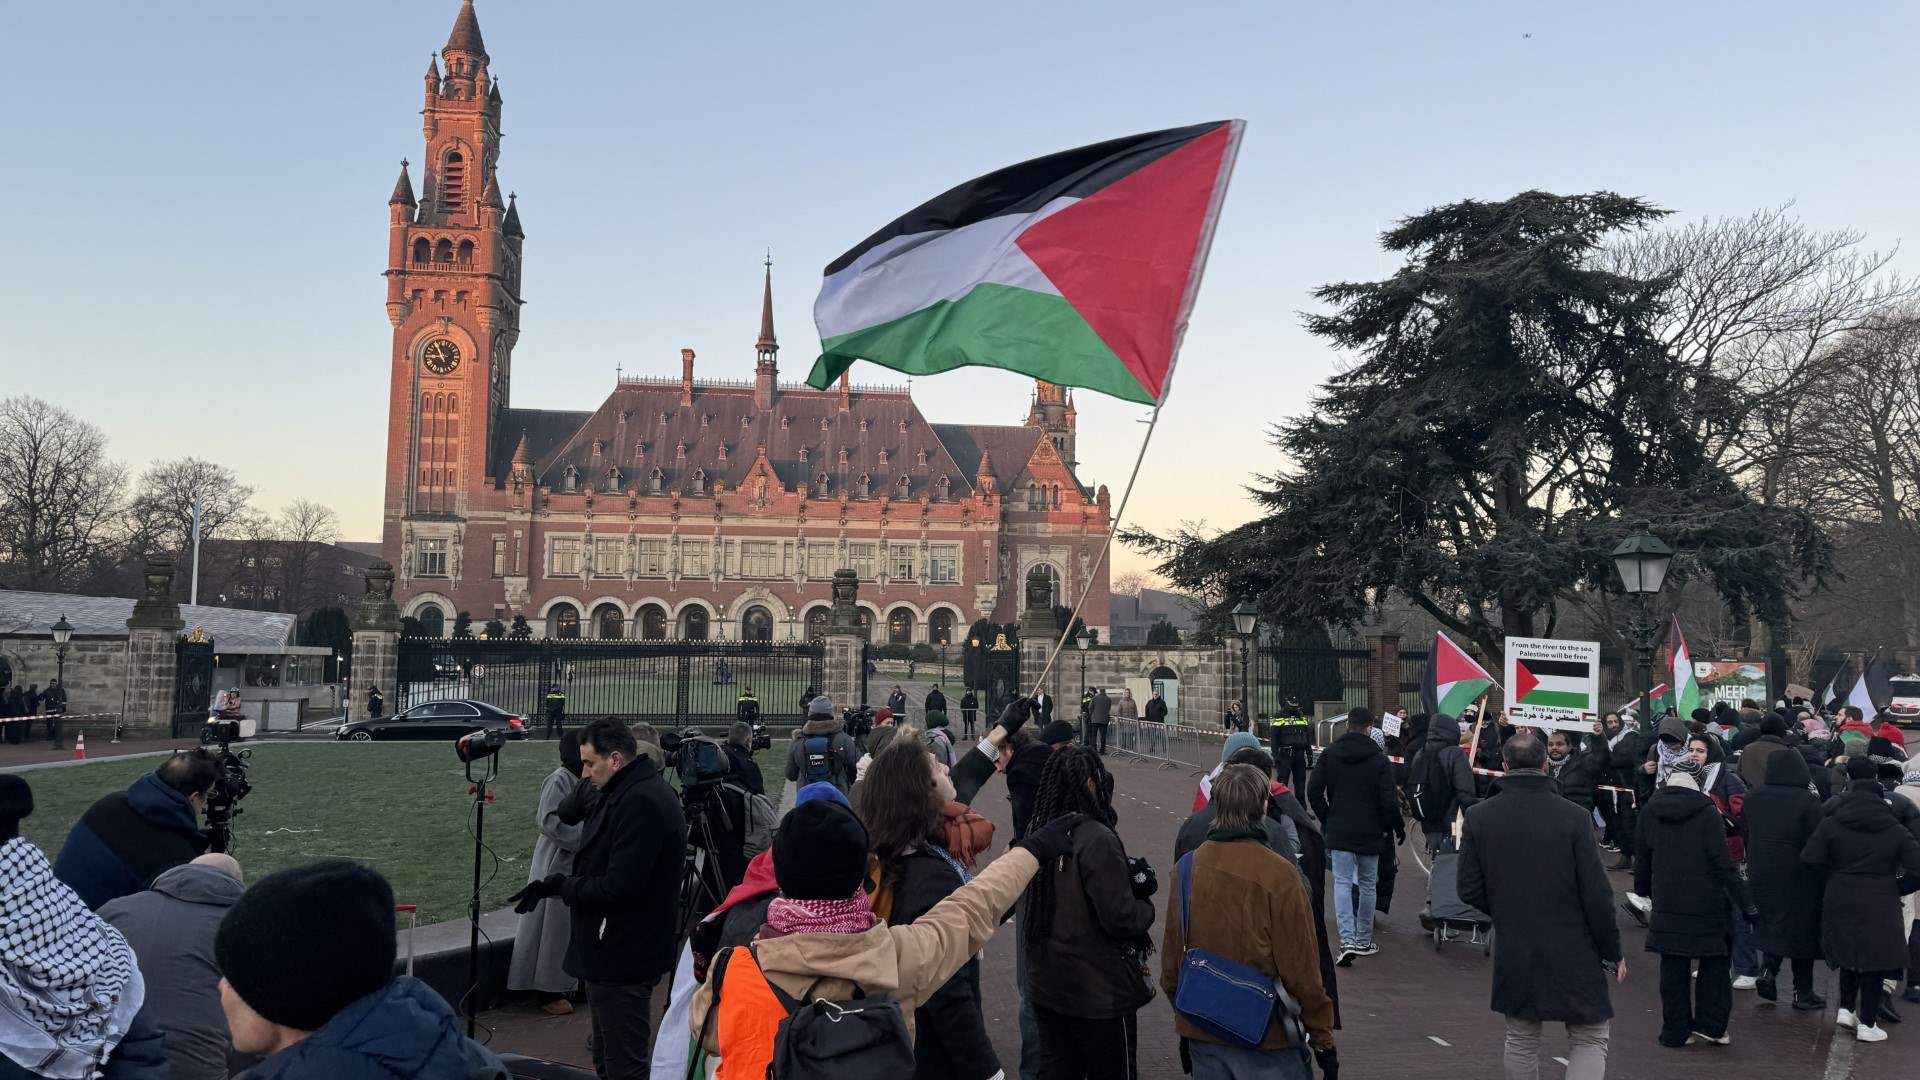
(820, 706)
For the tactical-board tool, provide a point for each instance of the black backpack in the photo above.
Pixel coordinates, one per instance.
(1430, 787)
(838, 1040)
(816, 762)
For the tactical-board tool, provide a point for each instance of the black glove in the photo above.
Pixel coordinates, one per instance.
(1052, 840)
(1329, 1062)
(1145, 884)
(1016, 714)
(536, 891)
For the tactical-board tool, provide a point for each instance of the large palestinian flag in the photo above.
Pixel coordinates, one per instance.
(1079, 268)
(1553, 684)
(1454, 679)
(1686, 688)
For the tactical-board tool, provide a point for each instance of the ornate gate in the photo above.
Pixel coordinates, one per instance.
(192, 687)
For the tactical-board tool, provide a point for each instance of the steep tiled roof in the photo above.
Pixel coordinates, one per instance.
(545, 429)
(642, 427)
(232, 629)
(466, 32)
(1008, 449)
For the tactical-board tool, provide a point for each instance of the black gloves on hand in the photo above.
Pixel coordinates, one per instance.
(1016, 714)
(1329, 1062)
(536, 891)
(1052, 840)
(1145, 884)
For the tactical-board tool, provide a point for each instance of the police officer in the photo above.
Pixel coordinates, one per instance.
(376, 705)
(747, 707)
(1291, 738)
(556, 711)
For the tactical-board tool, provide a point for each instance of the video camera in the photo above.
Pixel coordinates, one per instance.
(761, 739)
(230, 788)
(700, 759)
(858, 721)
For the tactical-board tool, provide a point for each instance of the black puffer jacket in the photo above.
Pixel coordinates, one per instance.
(1782, 814)
(1684, 866)
(1586, 763)
(950, 1036)
(1862, 847)
(1351, 789)
(1078, 968)
(1442, 764)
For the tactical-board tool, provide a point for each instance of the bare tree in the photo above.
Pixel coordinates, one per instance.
(162, 509)
(1129, 583)
(60, 496)
(305, 529)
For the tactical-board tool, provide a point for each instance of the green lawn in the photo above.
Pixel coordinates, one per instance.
(401, 808)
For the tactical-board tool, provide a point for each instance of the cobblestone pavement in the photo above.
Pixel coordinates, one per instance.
(1410, 1012)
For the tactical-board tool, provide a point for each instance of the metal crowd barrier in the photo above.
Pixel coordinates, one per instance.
(1171, 745)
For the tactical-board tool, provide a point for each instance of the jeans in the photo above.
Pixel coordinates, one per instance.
(1354, 913)
(1688, 1004)
(1075, 1048)
(1586, 1050)
(1029, 1023)
(1746, 958)
(1217, 1061)
(622, 1036)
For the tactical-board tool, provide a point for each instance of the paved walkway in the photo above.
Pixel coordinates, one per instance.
(1410, 1012)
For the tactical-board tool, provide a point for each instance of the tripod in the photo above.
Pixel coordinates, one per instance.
(702, 883)
(489, 770)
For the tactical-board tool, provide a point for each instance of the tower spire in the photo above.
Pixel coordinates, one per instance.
(766, 369)
(767, 344)
(465, 37)
(402, 188)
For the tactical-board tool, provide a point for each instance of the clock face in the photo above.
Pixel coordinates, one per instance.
(442, 357)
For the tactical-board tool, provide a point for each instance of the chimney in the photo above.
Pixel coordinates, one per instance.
(686, 376)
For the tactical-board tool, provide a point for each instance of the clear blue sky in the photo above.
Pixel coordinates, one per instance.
(196, 192)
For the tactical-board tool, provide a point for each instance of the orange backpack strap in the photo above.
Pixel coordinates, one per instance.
(748, 1015)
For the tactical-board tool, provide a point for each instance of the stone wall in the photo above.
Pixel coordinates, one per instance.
(151, 662)
(1209, 677)
(96, 669)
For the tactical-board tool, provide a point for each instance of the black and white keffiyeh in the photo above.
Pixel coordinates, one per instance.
(69, 983)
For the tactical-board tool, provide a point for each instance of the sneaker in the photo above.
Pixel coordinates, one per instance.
(1745, 982)
(1767, 988)
(1912, 993)
(1629, 905)
(1867, 1033)
(1887, 1012)
(1844, 1018)
(1347, 954)
(558, 1007)
(1369, 949)
(1717, 1040)
(1809, 1002)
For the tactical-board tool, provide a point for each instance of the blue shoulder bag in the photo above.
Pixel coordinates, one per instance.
(1233, 1000)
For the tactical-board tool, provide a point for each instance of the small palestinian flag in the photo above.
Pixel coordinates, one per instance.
(1552, 684)
(1079, 268)
(1658, 699)
(1454, 680)
(1686, 688)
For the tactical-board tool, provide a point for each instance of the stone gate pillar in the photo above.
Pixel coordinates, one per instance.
(376, 642)
(845, 644)
(153, 631)
(1039, 633)
(1383, 671)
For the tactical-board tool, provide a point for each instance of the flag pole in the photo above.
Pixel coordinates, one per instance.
(1479, 721)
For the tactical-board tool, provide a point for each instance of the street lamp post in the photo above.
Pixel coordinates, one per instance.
(1642, 560)
(1081, 640)
(62, 633)
(1245, 618)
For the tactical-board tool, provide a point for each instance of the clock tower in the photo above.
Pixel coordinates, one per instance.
(453, 297)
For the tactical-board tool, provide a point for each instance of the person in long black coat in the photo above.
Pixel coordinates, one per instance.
(1683, 865)
(1862, 848)
(1782, 814)
(1528, 859)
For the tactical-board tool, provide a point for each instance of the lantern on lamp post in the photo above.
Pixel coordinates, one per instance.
(1246, 618)
(62, 634)
(1641, 561)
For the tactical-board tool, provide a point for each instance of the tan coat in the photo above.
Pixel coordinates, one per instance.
(910, 961)
(1249, 905)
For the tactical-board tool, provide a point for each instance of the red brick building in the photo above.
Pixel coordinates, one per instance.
(681, 507)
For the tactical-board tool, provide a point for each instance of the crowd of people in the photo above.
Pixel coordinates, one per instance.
(18, 702)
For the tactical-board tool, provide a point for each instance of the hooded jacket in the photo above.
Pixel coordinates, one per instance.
(126, 839)
(1723, 785)
(1079, 969)
(842, 755)
(909, 962)
(951, 1035)
(1682, 863)
(1782, 814)
(1441, 763)
(1351, 789)
(171, 928)
(1861, 846)
(402, 1030)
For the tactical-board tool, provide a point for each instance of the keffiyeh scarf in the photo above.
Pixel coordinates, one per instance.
(850, 916)
(69, 984)
(1667, 759)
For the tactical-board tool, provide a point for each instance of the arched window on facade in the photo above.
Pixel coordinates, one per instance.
(818, 619)
(693, 623)
(863, 487)
(464, 257)
(1053, 581)
(820, 485)
(655, 481)
(940, 627)
(697, 483)
(443, 252)
(563, 621)
(422, 249)
(652, 622)
(866, 624)
(902, 488)
(756, 624)
(433, 621)
(609, 622)
(453, 183)
(900, 626)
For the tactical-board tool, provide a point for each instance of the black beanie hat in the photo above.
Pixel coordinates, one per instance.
(16, 802)
(1057, 732)
(819, 852)
(1859, 768)
(1774, 724)
(306, 942)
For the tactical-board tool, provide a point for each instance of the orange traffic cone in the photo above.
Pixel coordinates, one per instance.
(80, 747)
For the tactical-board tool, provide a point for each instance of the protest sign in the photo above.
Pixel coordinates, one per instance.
(1552, 685)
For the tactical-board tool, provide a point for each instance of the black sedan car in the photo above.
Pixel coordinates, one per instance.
(437, 721)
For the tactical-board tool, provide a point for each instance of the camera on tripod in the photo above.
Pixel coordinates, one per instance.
(857, 721)
(232, 785)
(761, 739)
(701, 761)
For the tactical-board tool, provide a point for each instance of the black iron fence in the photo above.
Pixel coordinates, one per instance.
(666, 682)
(1306, 675)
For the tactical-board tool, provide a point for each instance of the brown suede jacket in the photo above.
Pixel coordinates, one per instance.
(1249, 906)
